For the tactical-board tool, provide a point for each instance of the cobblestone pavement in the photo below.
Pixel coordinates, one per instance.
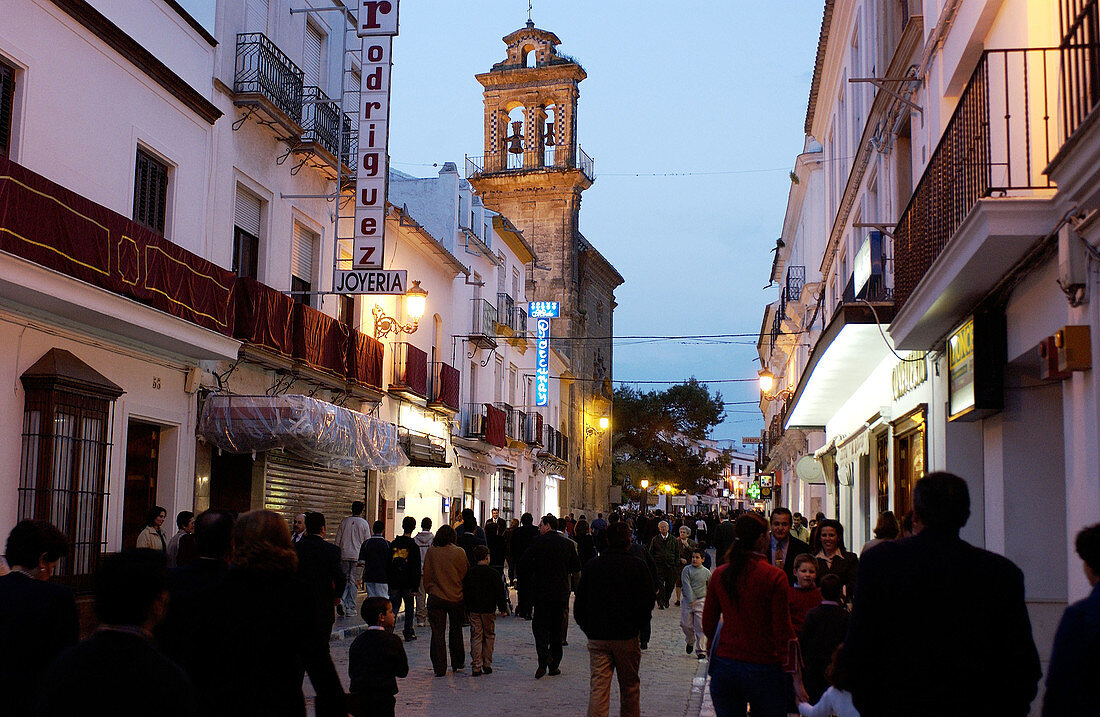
(668, 674)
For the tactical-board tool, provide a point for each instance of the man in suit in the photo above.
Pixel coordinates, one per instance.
(784, 547)
(521, 540)
(723, 539)
(186, 585)
(966, 638)
(38, 619)
(319, 568)
(549, 562)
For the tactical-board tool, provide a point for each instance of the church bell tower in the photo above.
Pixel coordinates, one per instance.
(533, 172)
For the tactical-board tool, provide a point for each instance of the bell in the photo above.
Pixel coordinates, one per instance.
(515, 142)
(549, 134)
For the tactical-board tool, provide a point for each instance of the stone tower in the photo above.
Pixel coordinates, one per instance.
(533, 172)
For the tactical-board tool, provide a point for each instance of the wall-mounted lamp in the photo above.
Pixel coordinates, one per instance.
(767, 387)
(416, 301)
(603, 423)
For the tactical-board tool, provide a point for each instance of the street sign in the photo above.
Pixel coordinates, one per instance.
(751, 440)
(542, 362)
(543, 309)
(392, 281)
(377, 25)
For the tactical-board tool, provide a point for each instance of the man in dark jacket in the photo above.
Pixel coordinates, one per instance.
(665, 550)
(403, 574)
(783, 547)
(522, 538)
(1075, 659)
(37, 617)
(613, 604)
(374, 556)
(118, 671)
(968, 647)
(320, 571)
(550, 561)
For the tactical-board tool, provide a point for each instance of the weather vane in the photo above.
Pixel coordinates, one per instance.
(529, 4)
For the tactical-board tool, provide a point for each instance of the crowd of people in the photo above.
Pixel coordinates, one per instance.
(231, 613)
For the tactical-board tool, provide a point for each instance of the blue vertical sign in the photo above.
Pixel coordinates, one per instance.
(542, 363)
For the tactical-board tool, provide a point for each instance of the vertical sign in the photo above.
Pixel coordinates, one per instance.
(377, 26)
(542, 362)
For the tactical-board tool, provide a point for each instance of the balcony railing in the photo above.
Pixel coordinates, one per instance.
(1080, 61)
(506, 310)
(320, 120)
(444, 388)
(482, 332)
(792, 288)
(510, 429)
(999, 140)
(263, 69)
(548, 158)
(519, 320)
(349, 153)
(410, 370)
(473, 420)
(556, 443)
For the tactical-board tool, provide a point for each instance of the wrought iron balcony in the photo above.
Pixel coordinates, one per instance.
(548, 158)
(792, 288)
(519, 320)
(1080, 50)
(482, 332)
(473, 420)
(264, 74)
(509, 420)
(999, 140)
(506, 311)
(444, 389)
(410, 371)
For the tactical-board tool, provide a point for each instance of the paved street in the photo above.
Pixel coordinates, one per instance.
(667, 674)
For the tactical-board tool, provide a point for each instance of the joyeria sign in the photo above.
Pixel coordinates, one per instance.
(377, 26)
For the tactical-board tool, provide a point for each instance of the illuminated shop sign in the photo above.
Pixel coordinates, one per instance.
(542, 361)
(975, 367)
(543, 309)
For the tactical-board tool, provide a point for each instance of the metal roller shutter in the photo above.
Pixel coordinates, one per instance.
(256, 16)
(247, 214)
(301, 257)
(311, 56)
(293, 485)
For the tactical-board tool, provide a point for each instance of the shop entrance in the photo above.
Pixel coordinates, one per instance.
(231, 481)
(910, 456)
(140, 492)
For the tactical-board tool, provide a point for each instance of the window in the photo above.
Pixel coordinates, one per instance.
(301, 263)
(256, 13)
(507, 494)
(64, 456)
(311, 55)
(150, 192)
(7, 108)
(246, 234)
(345, 311)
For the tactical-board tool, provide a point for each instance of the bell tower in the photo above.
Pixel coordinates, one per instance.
(533, 172)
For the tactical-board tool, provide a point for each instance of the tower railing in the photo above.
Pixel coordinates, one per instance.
(550, 158)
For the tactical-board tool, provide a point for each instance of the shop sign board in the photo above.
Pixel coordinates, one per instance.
(388, 281)
(754, 490)
(377, 26)
(543, 309)
(909, 373)
(975, 367)
(542, 362)
(868, 262)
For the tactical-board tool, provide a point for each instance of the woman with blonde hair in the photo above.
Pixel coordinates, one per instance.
(258, 635)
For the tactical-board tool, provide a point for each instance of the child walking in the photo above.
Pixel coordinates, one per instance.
(484, 592)
(375, 660)
(822, 631)
(837, 700)
(804, 594)
(694, 578)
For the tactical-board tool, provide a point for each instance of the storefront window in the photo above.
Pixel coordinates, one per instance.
(909, 452)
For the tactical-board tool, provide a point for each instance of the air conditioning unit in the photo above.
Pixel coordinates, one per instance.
(420, 447)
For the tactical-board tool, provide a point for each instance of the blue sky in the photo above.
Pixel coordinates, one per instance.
(711, 95)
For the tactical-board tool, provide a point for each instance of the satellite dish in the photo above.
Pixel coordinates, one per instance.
(808, 469)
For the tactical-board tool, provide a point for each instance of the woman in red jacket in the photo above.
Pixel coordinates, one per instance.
(757, 643)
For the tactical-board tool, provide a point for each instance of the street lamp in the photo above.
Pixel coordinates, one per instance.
(767, 385)
(645, 494)
(416, 301)
(603, 423)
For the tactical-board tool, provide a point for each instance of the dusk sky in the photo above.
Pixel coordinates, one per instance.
(694, 114)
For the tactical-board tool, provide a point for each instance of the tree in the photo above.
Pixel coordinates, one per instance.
(656, 433)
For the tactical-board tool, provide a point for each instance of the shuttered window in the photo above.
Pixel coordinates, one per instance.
(150, 192)
(301, 262)
(294, 485)
(256, 16)
(246, 234)
(311, 56)
(7, 108)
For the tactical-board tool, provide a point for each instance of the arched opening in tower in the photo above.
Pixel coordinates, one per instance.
(515, 142)
(528, 55)
(550, 134)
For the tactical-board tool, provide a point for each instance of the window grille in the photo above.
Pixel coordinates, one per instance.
(507, 494)
(7, 108)
(63, 466)
(150, 192)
